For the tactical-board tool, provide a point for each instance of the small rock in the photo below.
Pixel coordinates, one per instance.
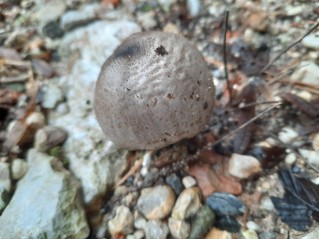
(258, 20)
(203, 221)
(84, 15)
(140, 222)
(225, 204)
(243, 166)
(307, 73)
(139, 234)
(218, 234)
(310, 156)
(189, 182)
(193, 7)
(147, 19)
(156, 202)
(122, 222)
(47, 202)
(156, 229)
(179, 229)
(266, 203)
(290, 159)
(251, 225)
(5, 185)
(172, 28)
(49, 11)
(228, 223)
(311, 41)
(166, 4)
(314, 234)
(287, 135)
(249, 234)
(52, 94)
(187, 204)
(175, 183)
(49, 137)
(267, 235)
(36, 120)
(52, 30)
(19, 168)
(315, 142)
(294, 10)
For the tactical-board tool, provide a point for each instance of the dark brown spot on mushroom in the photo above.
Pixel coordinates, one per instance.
(205, 105)
(155, 101)
(170, 96)
(161, 51)
(192, 95)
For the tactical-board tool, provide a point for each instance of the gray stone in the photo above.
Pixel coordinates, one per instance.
(202, 222)
(122, 222)
(156, 229)
(156, 202)
(19, 168)
(49, 11)
(48, 137)
(307, 73)
(311, 41)
(179, 229)
(147, 19)
(5, 185)
(187, 204)
(46, 203)
(175, 183)
(52, 94)
(193, 7)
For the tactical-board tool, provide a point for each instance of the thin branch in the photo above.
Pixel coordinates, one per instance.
(290, 46)
(225, 57)
(245, 124)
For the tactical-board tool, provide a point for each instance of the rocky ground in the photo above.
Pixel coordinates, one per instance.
(60, 178)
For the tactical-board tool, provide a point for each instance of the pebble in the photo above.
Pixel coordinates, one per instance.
(52, 30)
(179, 229)
(251, 225)
(218, 234)
(156, 229)
(175, 183)
(189, 182)
(166, 4)
(315, 142)
(5, 185)
(139, 222)
(75, 18)
(287, 135)
(47, 201)
(172, 28)
(147, 19)
(48, 137)
(122, 222)
(225, 204)
(311, 41)
(228, 223)
(187, 204)
(156, 202)
(314, 234)
(36, 119)
(49, 11)
(243, 166)
(310, 156)
(52, 95)
(202, 222)
(267, 235)
(19, 168)
(139, 234)
(42, 68)
(307, 73)
(249, 234)
(266, 203)
(290, 159)
(193, 7)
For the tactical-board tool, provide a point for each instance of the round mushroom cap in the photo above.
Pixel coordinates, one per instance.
(153, 91)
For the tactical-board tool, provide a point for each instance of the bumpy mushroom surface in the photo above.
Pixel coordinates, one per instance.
(154, 90)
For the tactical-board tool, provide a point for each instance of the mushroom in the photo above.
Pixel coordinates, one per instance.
(153, 91)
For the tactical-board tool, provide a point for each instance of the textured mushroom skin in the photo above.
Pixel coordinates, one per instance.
(154, 90)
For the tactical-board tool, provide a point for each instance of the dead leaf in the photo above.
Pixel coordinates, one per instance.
(212, 180)
(42, 68)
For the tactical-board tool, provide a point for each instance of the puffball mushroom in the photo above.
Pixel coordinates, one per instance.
(153, 91)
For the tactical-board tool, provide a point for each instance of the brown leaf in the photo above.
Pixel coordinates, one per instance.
(214, 180)
(8, 97)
